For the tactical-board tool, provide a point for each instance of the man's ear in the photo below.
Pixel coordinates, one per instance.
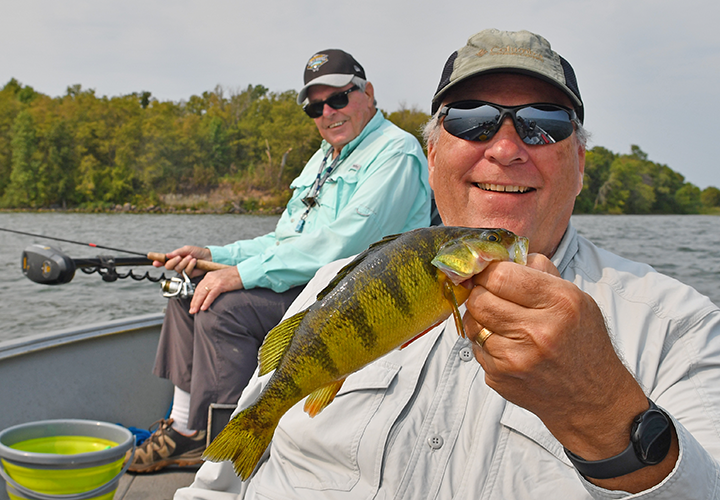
(581, 166)
(431, 163)
(370, 91)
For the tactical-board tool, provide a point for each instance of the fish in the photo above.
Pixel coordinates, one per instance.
(391, 294)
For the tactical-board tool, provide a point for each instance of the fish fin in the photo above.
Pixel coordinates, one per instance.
(277, 341)
(450, 296)
(320, 398)
(418, 336)
(243, 441)
(350, 266)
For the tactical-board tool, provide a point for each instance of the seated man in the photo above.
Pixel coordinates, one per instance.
(596, 377)
(368, 180)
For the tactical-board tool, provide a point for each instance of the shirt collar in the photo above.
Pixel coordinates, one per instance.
(566, 250)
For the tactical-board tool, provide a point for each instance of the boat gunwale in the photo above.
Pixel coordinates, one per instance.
(34, 343)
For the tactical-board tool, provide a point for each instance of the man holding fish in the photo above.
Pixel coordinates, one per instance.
(596, 377)
(368, 180)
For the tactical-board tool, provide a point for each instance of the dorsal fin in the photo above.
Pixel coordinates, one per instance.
(353, 264)
(277, 341)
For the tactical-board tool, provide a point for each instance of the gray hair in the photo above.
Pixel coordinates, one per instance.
(431, 131)
(361, 84)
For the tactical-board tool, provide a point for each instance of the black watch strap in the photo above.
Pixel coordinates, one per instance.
(633, 457)
(619, 465)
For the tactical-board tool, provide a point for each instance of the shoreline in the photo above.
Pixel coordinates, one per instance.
(131, 209)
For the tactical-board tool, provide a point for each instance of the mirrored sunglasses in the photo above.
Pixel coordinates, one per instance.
(538, 123)
(335, 101)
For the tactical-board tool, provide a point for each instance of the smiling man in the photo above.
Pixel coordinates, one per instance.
(584, 375)
(368, 180)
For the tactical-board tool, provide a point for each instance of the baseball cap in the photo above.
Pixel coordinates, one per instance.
(332, 67)
(495, 51)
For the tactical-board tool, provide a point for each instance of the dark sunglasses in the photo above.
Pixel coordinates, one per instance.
(535, 123)
(335, 101)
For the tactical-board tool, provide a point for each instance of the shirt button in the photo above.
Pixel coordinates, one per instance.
(435, 442)
(466, 354)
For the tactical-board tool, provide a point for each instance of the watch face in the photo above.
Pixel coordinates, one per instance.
(652, 437)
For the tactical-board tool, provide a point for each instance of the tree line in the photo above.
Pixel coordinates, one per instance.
(93, 152)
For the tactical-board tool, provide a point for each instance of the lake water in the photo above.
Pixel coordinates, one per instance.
(685, 247)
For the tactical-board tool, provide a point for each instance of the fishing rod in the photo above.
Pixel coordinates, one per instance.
(94, 245)
(49, 266)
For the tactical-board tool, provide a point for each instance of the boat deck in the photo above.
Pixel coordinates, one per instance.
(154, 486)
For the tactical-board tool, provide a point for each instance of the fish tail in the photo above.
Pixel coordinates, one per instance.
(243, 441)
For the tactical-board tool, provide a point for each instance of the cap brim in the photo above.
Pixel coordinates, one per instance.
(577, 103)
(329, 80)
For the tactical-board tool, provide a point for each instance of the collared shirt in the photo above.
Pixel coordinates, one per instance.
(420, 423)
(379, 187)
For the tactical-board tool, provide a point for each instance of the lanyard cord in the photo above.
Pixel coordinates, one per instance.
(310, 199)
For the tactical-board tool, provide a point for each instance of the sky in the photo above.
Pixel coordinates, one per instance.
(648, 70)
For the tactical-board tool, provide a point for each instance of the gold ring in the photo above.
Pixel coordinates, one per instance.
(207, 289)
(482, 336)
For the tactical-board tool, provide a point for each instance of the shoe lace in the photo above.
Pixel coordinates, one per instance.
(158, 428)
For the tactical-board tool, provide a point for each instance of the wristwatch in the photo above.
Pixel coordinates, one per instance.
(650, 439)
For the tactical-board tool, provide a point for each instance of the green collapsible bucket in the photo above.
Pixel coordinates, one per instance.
(64, 459)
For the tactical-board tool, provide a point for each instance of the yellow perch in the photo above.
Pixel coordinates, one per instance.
(392, 293)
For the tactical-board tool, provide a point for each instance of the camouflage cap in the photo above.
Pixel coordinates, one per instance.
(494, 51)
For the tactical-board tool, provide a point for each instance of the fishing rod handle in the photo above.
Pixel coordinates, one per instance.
(203, 265)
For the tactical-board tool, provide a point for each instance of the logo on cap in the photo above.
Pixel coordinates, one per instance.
(511, 51)
(316, 61)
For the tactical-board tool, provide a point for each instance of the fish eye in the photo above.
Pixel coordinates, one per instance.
(493, 236)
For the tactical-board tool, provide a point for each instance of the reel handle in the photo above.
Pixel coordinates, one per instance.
(203, 265)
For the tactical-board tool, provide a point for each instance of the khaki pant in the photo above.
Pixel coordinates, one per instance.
(213, 354)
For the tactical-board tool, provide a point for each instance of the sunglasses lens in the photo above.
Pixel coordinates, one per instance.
(472, 123)
(337, 101)
(543, 124)
(315, 109)
(535, 124)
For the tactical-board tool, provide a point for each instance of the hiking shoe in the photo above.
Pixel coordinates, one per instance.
(166, 447)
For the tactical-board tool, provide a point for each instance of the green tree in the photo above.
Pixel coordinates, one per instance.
(411, 120)
(688, 199)
(626, 190)
(9, 108)
(597, 172)
(271, 127)
(58, 172)
(710, 197)
(23, 188)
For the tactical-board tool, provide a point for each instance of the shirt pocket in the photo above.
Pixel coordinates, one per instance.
(322, 453)
(339, 188)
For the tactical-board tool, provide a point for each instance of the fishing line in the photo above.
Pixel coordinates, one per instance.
(94, 245)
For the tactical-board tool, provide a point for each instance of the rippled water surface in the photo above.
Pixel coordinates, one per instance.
(685, 247)
(29, 308)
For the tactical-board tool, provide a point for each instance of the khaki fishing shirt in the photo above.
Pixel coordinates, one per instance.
(420, 423)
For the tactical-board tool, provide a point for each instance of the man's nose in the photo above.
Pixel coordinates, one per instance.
(506, 147)
(327, 109)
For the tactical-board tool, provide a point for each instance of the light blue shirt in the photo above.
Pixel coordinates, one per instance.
(379, 187)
